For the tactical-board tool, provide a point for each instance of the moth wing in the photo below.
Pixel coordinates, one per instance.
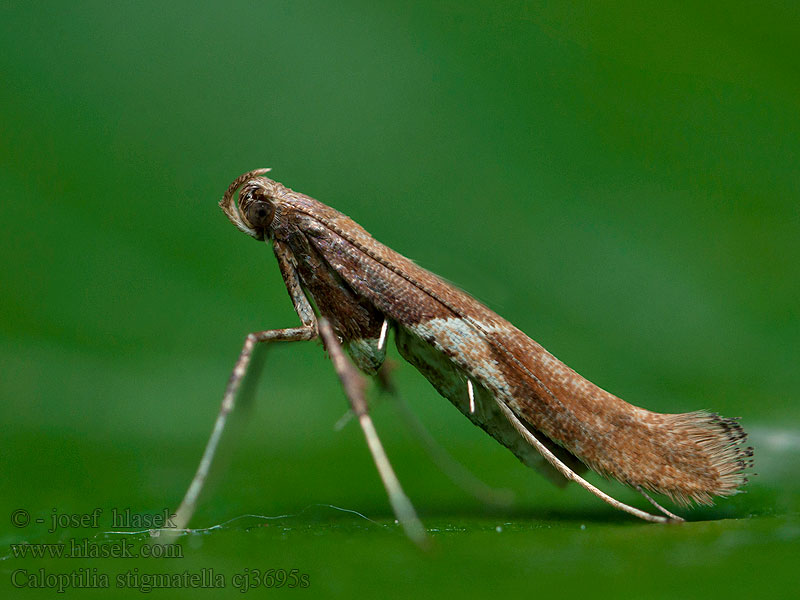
(451, 382)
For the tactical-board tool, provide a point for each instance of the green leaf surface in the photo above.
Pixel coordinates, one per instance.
(620, 182)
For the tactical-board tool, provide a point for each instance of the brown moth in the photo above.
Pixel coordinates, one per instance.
(550, 417)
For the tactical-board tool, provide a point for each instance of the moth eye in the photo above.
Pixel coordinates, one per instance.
(259, 214)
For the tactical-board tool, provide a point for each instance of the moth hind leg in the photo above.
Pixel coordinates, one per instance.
(572, 462)
(650, 499)
(569, 473)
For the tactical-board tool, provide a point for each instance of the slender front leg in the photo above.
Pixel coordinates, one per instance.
(294, 334)
(353, 384)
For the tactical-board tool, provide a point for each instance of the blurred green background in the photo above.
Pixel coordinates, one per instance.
(619, 182)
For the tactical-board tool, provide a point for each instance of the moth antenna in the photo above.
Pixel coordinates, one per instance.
(228, 205)
(227, 198)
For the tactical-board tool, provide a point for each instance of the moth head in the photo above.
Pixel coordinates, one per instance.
(255, 209)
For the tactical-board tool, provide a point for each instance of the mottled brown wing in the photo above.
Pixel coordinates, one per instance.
(689, 456)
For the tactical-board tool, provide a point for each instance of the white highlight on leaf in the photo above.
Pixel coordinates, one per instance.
(384, 330)
(777, 440)
(471, 393)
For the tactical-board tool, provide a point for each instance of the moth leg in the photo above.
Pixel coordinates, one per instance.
(294, 334)
(445, 462)
(569, 473)
(672, 516)
(354, 385)
(308, 331)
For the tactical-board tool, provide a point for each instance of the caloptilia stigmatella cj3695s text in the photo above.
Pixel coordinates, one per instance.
(550, 417)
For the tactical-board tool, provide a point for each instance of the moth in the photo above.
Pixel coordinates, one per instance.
(352, 291)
